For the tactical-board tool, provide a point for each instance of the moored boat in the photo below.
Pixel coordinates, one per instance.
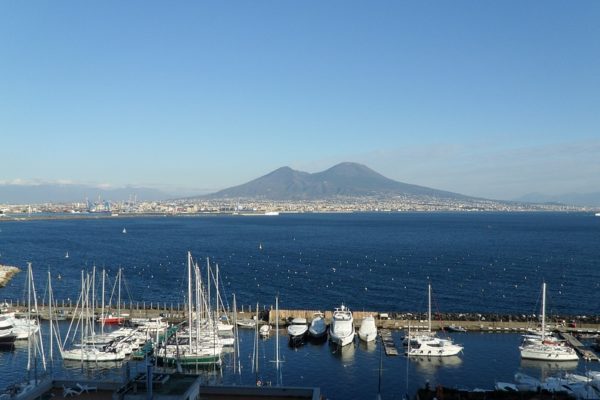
(342, 327)
(368, 330)
(297, 330)
(318, 327)
(265, 331)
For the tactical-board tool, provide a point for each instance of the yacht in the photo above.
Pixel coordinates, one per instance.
(433, 347)
(546, 350)
(318, 327)
(429, 345)
(368, 331)
(297, 330)
(342, 327)
(7, 337)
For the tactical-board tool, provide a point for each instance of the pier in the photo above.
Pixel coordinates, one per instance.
(388, 342)
(176, 313)
(586, 354)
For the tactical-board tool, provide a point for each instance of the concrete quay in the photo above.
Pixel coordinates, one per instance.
(176, 313)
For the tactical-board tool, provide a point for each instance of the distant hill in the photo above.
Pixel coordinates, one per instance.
(345, 179)
(573, 199)
(67, 193)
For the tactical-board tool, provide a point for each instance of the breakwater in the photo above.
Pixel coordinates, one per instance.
(6, 274)
(481, 322)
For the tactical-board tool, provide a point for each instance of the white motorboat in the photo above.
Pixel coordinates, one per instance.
(342, 327)
(433, 347)
(546, 350)
(318, 327)
(368, 330)
(297, 330)
(456, 328)
(7, 337)
(22, 328)
(246, 323)
(265, 331)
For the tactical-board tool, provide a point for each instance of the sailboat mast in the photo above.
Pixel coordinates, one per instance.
(197, 275)
(429, 308)
(217, 298)
(28, 316)
(39, 343)
(208, 309)
(190, 300)
(256, 345)
(93, 326)
(119, 297)
(50, 300)
(235, 334)
(543, 311)
(277, 337)
(102, 316)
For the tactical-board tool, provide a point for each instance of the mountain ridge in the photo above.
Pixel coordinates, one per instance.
(345, 179)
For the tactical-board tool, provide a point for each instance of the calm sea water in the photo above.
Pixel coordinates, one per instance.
(476, 262)
(348, 373)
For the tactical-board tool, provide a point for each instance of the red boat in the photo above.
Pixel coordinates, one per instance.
(111, 320)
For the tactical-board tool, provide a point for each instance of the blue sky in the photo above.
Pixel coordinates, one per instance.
(494, 99)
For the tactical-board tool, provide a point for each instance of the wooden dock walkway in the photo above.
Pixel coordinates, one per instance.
(586, 354)
(388, 342)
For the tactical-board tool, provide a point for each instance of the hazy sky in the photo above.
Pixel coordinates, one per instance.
(494, 99)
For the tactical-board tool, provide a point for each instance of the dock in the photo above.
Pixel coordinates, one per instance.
(579, 347)
(388, 342)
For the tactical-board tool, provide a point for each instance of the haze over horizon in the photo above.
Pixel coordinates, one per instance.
(494, 100)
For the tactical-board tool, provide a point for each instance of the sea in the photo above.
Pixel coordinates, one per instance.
(476, 263)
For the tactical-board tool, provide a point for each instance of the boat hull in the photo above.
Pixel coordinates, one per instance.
(342, 340)
(547, 353)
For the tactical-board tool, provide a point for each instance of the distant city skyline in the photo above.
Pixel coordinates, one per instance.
(494, 100)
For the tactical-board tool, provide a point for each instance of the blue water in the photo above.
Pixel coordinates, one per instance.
(349, 373)
(484, 262)
(477, 262)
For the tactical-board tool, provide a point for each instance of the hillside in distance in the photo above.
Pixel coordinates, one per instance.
(66, 193)
(343, 180)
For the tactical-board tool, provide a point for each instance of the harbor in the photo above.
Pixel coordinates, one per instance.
(471, 322)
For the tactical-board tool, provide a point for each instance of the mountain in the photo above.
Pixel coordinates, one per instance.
(342, 180)
(573, 199)
(67, 193)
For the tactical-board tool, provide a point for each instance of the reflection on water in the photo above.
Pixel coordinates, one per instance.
(368, 346)
(345, 353)
(429, 365)
(549, 365)
(544, 369)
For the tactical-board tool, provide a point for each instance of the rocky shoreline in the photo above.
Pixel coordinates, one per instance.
(6, 274)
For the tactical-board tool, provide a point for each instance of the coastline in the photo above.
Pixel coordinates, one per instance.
(6, 274)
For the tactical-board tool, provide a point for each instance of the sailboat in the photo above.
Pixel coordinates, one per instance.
(110, 318)
(202, 346)
(67, 255)
(428, 344)
(547, 350)
(85, 351)
(124, 230)
(35, 351)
